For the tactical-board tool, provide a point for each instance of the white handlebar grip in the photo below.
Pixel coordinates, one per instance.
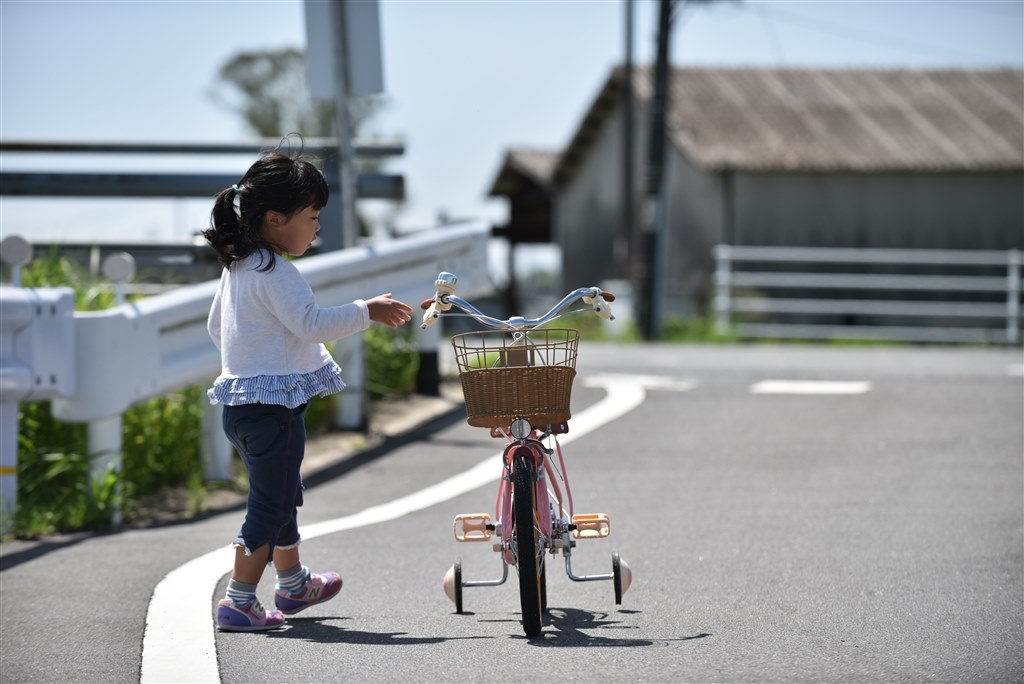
(601, 307)
(430, 316)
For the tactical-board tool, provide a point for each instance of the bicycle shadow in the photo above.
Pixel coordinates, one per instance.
(318, 630)
(573, 628)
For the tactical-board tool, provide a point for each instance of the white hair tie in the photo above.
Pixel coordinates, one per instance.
(237, 201)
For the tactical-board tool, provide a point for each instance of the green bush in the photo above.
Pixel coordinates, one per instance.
(392, 361)
(161, 439)
(54, 491)
(56, 271)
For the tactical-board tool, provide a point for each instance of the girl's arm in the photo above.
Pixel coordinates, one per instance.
(290, 299)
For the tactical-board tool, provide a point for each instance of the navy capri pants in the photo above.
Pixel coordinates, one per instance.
(271, 440)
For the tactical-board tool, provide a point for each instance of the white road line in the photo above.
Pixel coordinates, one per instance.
(1015, 369)
(809, 387)
(654, 382)
(179, 644)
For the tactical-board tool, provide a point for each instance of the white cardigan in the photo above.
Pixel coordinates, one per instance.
(270, 332)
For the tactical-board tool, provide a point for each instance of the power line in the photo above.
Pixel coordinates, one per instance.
(773, 36)
(902, 44)
(993, 8)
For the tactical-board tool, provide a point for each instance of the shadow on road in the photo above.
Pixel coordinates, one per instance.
(569, 625)
(14, 553)
(316, 630)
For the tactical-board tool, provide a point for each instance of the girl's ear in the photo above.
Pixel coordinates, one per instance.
(271, 224)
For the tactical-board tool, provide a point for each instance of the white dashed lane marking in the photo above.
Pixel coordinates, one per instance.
(823, 387)
(653, 382)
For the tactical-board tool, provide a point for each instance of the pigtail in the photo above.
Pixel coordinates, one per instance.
(234, 227)
(225, 233)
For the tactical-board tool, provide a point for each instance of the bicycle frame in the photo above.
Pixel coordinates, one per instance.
(556, 530)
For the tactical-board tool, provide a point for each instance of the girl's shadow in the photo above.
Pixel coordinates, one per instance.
(317, 629)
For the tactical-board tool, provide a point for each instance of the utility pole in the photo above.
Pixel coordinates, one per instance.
(623, 246)
(655, 218)
(654, 238)
(343, 129)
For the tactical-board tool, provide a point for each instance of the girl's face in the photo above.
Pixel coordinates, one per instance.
(291, 234)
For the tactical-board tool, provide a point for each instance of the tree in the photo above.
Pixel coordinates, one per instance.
(269, 90)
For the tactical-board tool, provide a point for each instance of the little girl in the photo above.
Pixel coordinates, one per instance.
(270, 331)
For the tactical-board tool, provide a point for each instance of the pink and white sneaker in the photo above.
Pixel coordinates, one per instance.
(249, 618)
(318, 588)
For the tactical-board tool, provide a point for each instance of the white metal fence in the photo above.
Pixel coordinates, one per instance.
(94, 365)
(887, 294)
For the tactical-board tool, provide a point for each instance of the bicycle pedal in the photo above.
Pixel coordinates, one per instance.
(473, 527)
(591, 526)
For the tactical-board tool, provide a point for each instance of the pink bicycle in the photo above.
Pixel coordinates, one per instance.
(517, 379)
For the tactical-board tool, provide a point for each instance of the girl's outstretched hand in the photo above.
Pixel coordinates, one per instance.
(388, 311)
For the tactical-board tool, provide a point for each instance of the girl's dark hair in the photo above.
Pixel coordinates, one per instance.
(275, 182)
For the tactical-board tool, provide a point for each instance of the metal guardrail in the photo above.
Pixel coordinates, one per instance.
(883, 294)
(116, 358)
(367, 184)
(315, 146)
(134, 184)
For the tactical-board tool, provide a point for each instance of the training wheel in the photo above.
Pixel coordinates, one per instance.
(453, 584)
(622, 576)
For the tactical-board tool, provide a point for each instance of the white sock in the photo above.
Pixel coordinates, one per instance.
(293, 579)
(240, 592)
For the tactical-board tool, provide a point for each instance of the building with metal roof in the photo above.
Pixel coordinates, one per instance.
(903, 158)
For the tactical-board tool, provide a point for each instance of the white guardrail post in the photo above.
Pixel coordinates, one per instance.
(94, 365)
(37, 362)
(350, 410)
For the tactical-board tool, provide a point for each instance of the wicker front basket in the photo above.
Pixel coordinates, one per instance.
(496, 396)
(509, 375)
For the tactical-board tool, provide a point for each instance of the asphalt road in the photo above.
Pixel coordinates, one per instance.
(863, 524)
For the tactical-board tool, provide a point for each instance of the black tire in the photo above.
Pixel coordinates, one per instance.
(617, 577)
(458, 586)
(544, 586)
(528, 562)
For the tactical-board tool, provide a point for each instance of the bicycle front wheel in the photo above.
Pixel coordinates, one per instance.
(529, 557)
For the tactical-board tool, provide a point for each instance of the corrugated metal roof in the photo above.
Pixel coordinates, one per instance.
(833, 119)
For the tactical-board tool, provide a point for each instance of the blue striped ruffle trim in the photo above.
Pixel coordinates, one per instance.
(282, 390)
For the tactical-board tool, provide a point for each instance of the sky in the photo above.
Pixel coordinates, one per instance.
(464, 81)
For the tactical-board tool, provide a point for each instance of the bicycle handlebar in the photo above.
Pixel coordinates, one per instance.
(445, 298)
